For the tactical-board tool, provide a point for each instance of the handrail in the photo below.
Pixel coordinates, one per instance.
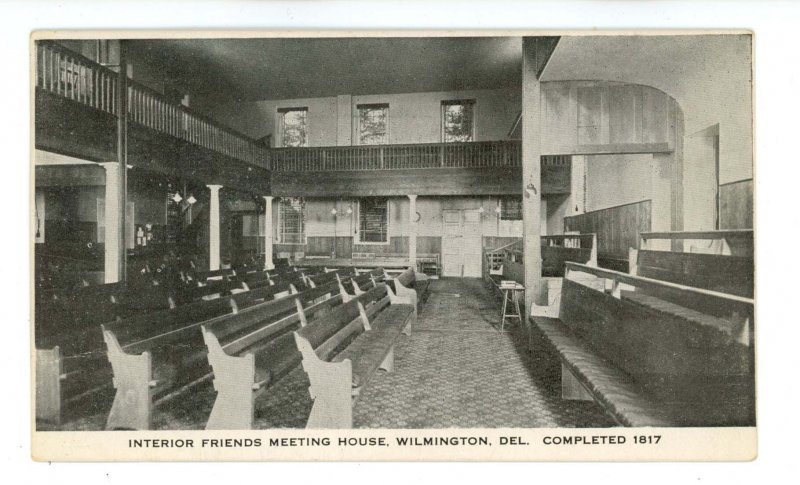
(505, 153)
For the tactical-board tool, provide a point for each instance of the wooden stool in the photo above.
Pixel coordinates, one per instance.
(511, 292)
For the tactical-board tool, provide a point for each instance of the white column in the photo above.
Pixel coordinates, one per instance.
(114, 249)
(213, 228)
(412, 230)
(531, 172)
(268, 232)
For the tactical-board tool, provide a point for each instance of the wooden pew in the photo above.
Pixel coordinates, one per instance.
(250, 351)
(719, 270)
(649, 361)
(412, 284)
(373, 321)
(153, 362)
(72, 365)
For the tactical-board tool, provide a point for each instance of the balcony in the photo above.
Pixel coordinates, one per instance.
(482, 154)
(77, 107)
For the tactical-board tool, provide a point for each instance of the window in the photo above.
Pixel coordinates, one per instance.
(291, 223)
(373, 124)
(511, 208)
(373, 220)
(293, 127)
(458, 121)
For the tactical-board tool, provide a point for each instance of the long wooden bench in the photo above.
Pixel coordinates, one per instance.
(724, 266)
(71, 355)
(369, 325)
(152, 362)
(252, 350)
(653, 362)
(72, 366)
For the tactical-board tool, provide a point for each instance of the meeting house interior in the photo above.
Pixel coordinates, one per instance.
(393, 232)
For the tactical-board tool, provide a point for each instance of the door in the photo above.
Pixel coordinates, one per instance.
(452, 259)
(461, 243)
(471, 244)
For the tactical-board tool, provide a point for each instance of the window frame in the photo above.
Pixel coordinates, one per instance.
(443, 110)
(503, 201)
(282, 124)
(357, 130)
(358, 223)
(280, 234)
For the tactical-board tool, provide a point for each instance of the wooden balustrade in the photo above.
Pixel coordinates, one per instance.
(505, 153)
(65, 73)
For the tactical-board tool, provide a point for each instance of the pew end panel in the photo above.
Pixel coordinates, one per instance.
(132, 406)
(330, 388)
(49, 374)
(234, 382)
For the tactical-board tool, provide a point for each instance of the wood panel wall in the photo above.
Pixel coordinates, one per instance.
(617, 229)
(736, 205)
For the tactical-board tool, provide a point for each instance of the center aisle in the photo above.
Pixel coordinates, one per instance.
(458, 370)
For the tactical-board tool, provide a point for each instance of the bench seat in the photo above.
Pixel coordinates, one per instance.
(609, 386)
(369, 349)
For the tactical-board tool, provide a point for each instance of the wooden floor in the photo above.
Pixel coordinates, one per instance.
(456, 370)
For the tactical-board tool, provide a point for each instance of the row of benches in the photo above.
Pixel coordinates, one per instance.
(158, 357)
(654, 351)
(68, 338)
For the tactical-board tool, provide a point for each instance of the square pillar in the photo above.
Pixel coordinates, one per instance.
(114, 260)
(213, 228)
(268, 232)
(412, 230)
(531, 170)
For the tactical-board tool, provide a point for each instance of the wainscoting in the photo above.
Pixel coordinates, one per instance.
(617, 229)
(736, 205)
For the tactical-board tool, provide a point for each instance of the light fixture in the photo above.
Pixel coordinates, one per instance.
(349, 211)
(481, 210)
(497, 209)
(177, 198)
(191, 200)
(334, 211)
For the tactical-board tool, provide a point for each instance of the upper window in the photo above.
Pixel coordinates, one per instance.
(511, 208)
(458, 121)
(373, 220)
(294, 123)
(291, 221)
(373, 124)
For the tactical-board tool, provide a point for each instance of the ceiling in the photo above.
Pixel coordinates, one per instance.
(674, 64)
(225, 70)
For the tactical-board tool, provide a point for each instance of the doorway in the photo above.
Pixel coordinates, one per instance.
(461, 243)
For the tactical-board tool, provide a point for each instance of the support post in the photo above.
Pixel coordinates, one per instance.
(268, 232)
(412, 231)
(114, 220)
(531, 168)
(213, 228)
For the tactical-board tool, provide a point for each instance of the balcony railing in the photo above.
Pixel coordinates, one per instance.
(505, 153)
(65, 73)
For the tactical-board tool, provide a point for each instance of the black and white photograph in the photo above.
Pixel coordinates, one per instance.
(436, 232)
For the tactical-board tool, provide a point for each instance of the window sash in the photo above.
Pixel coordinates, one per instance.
(373, 220)
(294, 131)
(462, 131)
(375, 116)
(291, 221)
(511, 208)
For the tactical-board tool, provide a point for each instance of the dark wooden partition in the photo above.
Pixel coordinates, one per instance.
(736, 205)
(617, 230)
